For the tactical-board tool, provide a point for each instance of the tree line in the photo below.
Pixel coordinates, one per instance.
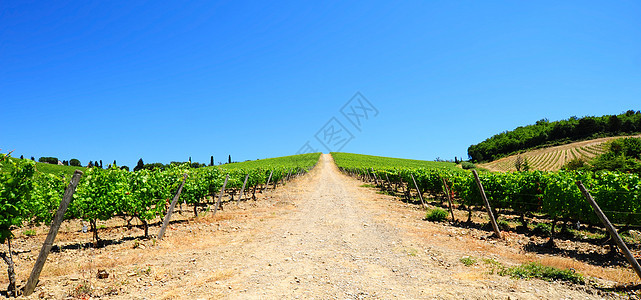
(546, 133)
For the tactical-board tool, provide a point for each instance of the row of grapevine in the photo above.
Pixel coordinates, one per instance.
(27, 195)
(554, 194)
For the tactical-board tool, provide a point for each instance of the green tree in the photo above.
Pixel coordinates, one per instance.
(139, 166)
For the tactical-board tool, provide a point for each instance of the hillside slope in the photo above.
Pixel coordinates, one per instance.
(552, 158)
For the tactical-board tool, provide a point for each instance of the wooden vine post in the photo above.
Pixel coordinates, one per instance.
(487, 204)
(165, 222)
(375, 178)
(242, 189)
(268, 179)
(53, 231)
(449, 198)
(418, 191)
(613, 232)
(220, 196)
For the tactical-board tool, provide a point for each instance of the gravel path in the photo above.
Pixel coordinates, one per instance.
(331, 248)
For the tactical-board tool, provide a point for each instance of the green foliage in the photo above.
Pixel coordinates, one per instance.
(32, 191)
(139, 166)
(46, 195)
(545, 132)
(30, 232)
(503, 225)
(542, 229)
(15, 193)
(49, 160)
(468, 165)
(554, 194)
(578, 163)
(536, 270)
(623, 155)
(74, 162)
(436, 215)
(101, 194)
(493, 265)
(148, 192)
(468, 260)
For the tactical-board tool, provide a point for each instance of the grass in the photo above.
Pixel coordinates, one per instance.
(66, 171)
(436, 215)
(493, 264)
(536, 270)
(468, 260)
(367, 185)
(30, 232)
(386, 193)
(503, 225)
(530, 270)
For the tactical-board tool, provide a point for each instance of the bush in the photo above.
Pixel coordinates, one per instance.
(468, 165)
(49, 160)
(436, 215)
(575, 164)
(74, 162)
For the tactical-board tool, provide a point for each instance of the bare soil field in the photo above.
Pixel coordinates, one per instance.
(321, 236)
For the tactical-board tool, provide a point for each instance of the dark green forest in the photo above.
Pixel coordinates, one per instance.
(545, 133)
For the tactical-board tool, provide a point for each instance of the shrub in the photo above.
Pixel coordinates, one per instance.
(49, 160)
(468, 165)
(436, 215)
(75, 162)
(575, 164)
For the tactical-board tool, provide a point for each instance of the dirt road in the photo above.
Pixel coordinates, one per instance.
(321, 236)
(337, 243)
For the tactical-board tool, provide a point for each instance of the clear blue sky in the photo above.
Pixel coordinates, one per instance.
(105, 80)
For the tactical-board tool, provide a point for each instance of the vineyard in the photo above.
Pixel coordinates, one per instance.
(554, 195)
(28, 196)
(33, 196)
(536, 204)
(529, 202)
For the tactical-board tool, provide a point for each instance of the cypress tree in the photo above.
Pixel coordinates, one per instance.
(139, 166)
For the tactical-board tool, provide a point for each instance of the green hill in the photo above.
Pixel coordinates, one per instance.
(545, 133)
